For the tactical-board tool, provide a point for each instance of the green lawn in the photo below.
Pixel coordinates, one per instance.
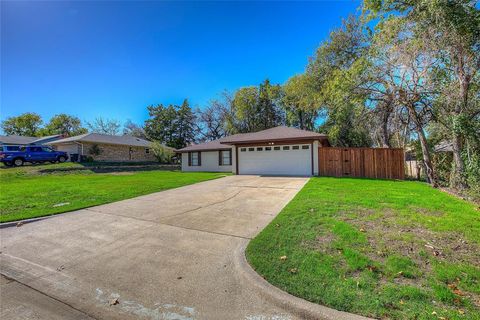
(35, 191)
(384, 249)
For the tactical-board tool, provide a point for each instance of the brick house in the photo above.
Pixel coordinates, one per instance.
(103, 147)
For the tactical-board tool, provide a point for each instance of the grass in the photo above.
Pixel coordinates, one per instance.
(41, 190)
(384, 249)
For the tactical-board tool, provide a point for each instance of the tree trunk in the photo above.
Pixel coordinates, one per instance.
(427, 162)
(458, 178)
(385, 135)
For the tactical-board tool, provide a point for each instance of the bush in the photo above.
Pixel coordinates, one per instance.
(162, 153)
(94, 150)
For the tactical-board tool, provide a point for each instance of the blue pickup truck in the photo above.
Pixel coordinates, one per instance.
(18, 155)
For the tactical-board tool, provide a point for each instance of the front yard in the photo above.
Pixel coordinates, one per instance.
(35, 191)
(384, 249)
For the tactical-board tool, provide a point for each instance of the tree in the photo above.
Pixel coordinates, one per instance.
(163, 154)
(26, 124)
(334, 73)
(256, 108)
(174, 126)
(213, 119)
(132, 129)
(444, 34)
(104, 126)
(185, 125)
(64, 124)
(300, 102)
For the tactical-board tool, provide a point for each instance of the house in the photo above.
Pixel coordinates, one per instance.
(103, 147)
(23, 140)
(276, 151)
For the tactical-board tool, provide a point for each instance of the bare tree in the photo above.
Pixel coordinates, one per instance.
(104, 126)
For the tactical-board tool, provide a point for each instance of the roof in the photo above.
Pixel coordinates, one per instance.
(207, 146)
(13, 139)
(105, 139)
(46, 138)
(444, 146)
(274, 134)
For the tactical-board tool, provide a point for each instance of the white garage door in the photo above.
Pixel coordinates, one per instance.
(293, 160)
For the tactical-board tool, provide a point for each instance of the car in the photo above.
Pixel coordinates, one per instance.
(18, 155)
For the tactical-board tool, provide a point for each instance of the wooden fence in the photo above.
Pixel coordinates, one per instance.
(382, 163)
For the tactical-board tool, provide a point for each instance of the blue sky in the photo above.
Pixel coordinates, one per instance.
(113, 58)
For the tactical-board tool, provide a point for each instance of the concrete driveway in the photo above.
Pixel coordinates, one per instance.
(168, 255)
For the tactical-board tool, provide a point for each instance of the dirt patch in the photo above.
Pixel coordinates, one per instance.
(386, 237)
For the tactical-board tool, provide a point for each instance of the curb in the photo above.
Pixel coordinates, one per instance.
(297, 306)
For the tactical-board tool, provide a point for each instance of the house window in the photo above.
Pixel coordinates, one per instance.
(268, 148)
(295, 147)
(251, 149)
(225, 158)
(276, 148)
(194, 159)
(286, 147)
(305, 147)
(243, 149)
(259, 149)
(147, 150)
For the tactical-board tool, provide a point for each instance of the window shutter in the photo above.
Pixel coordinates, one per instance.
(219, 157)
(199, 158)
(230, 156)
(189, 159)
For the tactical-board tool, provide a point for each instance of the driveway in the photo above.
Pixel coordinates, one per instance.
(168, 255)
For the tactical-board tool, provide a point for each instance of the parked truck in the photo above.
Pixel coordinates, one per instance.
(13, 156)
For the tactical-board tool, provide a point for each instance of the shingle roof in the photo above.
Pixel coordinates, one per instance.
(206, 146)
(444, 146)
(46, 138)
(273, 134)
(105, 139)
(13, 139)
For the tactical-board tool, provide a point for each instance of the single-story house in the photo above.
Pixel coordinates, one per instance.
(14, 140)
(276, 151)
(104, 147)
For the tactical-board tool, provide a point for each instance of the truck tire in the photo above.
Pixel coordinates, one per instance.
(8, 163)
(18, 162)
(62, 159)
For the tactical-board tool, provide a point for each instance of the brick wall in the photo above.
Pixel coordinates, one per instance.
(110, 152)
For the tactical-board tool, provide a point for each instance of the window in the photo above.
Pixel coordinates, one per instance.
(286, 147)
(295, 147)
(243, 149)
(305, 147)
(251, 149)
(147, 150)
(194, 159)
(46, 149)
(268, 148)
(259, 149)
(276, 148)
(225, 158)
(35, 149)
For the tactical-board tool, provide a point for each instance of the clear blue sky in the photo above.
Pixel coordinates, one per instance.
(113, 58)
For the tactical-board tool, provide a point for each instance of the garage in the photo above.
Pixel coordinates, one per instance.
(293, 160)
(281, 151)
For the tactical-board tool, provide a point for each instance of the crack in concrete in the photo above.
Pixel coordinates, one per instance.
(166, 224)
(50, 297)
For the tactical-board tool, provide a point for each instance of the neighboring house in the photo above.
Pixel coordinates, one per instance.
(275, 151)
(23, 141)
(444, 146)
(103, 147)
